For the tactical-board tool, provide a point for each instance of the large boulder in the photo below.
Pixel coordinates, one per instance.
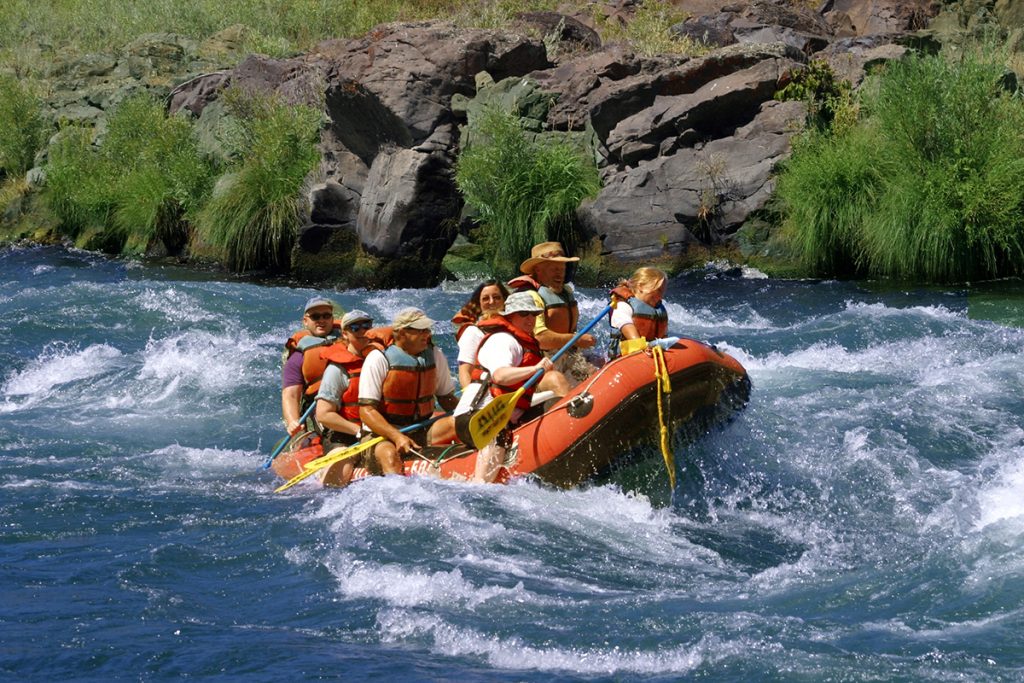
(713, 111)
(696, 194)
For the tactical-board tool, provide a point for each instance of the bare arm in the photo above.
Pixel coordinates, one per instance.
(629, 331)
(511, 375)
(372, 418)
(328, 416)
(552, 341)
(290, 400)
(465, 374)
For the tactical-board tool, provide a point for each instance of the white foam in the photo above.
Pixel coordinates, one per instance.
(512, 653)
(175, 304)
(203, 463)
(403, 587)
(879, 310)
(744, 318)
(217, 363)
(59, 364)
(1003, 499)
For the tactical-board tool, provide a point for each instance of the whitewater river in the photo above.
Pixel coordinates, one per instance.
(862, 520)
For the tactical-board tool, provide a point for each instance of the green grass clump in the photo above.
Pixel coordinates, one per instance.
(279, 25)
(144, 180)
(23, 130)
(254, 211)
(525, 188)
(928, 185)
(648, 32)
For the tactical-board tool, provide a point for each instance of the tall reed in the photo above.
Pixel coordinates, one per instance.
(254, 212)
(928, 185)
(144, 180)
(524, 187)
(23, 130)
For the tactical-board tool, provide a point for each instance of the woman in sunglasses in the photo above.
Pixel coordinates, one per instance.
(337, 405)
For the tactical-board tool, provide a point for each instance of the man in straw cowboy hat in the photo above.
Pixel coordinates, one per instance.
(544, 278)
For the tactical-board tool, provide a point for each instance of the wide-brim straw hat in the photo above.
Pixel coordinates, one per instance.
(545, 252)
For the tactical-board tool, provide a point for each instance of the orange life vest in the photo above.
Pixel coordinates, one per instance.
(651, 322)
(314, 363)
(291, 345)
(462, 320)
(407, 395)
(338, 354)
(531, 356)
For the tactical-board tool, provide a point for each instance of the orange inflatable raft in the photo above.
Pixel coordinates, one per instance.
(597, 428)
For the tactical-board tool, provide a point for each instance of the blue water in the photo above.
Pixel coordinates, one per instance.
(862, 520)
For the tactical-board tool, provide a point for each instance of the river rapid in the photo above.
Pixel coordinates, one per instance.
(861, 520)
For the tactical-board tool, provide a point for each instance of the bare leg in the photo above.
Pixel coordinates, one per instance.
(488, 462)
(337, 475)
(387, 457)
(554, 381)
(442, 431)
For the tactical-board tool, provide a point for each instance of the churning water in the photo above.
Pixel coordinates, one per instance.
(863, 519)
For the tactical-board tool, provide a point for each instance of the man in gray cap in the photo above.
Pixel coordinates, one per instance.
(318, 329)
(398, 387)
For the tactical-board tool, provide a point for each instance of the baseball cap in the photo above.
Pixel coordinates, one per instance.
(412, 317)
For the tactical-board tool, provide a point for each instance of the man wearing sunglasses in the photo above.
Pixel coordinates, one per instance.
(337, 401)
(318, 329)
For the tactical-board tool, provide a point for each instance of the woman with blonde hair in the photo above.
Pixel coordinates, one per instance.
(639, 310)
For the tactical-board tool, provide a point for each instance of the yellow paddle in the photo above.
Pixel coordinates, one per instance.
(485, 424)
(339, 454)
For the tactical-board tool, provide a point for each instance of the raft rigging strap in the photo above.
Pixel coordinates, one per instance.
(663, 385)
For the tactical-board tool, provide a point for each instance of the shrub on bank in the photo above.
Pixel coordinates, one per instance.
(928, 185)
(23, 130)
(146, 178)
(254, 211)
(525, 188)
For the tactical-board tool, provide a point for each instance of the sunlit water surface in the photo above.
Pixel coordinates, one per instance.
(862, 520)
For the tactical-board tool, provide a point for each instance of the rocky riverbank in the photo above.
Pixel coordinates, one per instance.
(687, 146)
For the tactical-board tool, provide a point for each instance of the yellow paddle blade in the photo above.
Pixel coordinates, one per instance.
(336, 455)
(485, 424)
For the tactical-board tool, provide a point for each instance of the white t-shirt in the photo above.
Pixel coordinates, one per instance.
(333, 384)
(501, 351)
(469, 342)
(622, 315)
(375, 369)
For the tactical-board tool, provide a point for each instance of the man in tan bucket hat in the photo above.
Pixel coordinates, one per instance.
(544, 277)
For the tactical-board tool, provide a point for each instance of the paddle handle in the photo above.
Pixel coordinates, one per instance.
(277, 451)
(537, 375)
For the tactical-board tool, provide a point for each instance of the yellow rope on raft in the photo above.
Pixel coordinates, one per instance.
(664, 386)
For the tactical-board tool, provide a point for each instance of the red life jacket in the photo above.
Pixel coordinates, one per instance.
(338, 354)
(314, 363)
(462, 320)
(651, 322)
(531, 356)
(407, 395)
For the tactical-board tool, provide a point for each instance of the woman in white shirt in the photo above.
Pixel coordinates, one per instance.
(486, 300)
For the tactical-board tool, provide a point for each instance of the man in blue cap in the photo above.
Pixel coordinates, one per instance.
(318, 328)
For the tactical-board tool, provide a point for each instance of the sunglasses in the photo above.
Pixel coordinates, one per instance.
(359, 327)
(320, 316)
